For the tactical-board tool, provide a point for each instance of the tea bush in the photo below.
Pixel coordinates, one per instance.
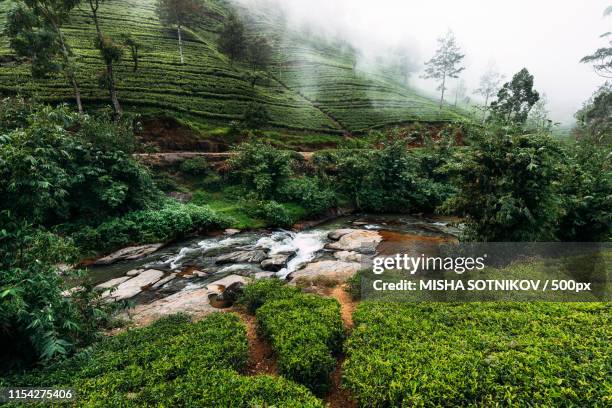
(261, 291)
(475, 354)
(171, 363)
(304, 331)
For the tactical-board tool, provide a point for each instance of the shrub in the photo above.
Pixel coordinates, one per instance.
(479, 354)
(508, 186)
(255, 116)
(264, 290)
(63, 166)
(305, 331)
(273, 213)
(309, 193)
(173, 362)
(198, 166)
(37, 322)
(261, 168)
(173, 220)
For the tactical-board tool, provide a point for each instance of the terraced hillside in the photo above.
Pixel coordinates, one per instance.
(312, 85)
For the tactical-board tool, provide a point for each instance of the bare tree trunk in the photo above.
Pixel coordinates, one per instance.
(70, 75)
(443, 89)
(112, 90)
(180, 41)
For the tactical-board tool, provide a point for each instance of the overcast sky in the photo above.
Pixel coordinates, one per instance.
(549, 37)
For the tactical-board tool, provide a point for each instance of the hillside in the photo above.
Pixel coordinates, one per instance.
(311, 87)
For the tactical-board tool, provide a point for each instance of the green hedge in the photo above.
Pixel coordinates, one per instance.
(507, 354)
(172, 363)
(305, 331)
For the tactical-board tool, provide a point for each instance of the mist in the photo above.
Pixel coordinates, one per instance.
(548, 37)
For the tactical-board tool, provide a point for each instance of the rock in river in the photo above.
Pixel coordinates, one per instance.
(276, 262)
(357, 240)
(255, 256)
(336, 270)
(129, 254)
(339, 233)
(134, 286)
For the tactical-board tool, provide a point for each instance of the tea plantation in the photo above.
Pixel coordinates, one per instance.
(480, 354)
(170, 363)
(311, 84)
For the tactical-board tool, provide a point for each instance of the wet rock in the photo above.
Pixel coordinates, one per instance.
(113, 282)
(360, 240)
(339, 233)
(163, 281)
(135, 272)
(228, 297)
(337, 270)
(276, 262)
(134, 286)
(129, 254)
(231, 231)
(191, 301)
(255, 256)
(348, 256)
(220, 285)
(264, 275)
(200, 274)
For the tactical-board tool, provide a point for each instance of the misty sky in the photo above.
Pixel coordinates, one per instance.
(548, 37)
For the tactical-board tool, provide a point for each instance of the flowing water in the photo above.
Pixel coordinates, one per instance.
(199, 254)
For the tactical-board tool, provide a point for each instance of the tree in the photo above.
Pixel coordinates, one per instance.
(595, 117)
(134, 46)
(602, 58)
(446, 63)
(232, 41)
(259, 53)
(111, 53)
(405, 66)
(508, 186)
(515, 99)
(460, 91)
(35, 31)
(179, 13)
(490, 83)
(538, 118)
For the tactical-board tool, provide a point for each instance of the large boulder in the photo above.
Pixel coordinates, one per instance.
(135, 285)
(339, 233)
(335, 270)
(276, 262)
(255, 256)
(129, 254)
(348, 256)
(113, 282)
(358, 240)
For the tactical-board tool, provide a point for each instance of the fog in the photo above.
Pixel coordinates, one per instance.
(548, 37)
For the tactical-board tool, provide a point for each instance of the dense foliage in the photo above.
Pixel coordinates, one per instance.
(38, 321)
(508, 184)
(57, 166)
(513, 354)
(169, 363)
(304, 331)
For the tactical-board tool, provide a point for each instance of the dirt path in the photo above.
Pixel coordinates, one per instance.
(339, 397)
(261, 356)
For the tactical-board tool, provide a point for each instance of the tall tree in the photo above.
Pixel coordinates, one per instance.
(490, 83)
(446, 63)
(595, 117)
(35, 31)
(460, 90)
(134, 46)
(515, 99)
(180, 13)
(602, 58)
(259, 55)
(539, 116)
(110, 52)
(232, 41)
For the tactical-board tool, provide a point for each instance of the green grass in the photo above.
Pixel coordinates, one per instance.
(316, 92)
(171, 363)
(475, 354)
